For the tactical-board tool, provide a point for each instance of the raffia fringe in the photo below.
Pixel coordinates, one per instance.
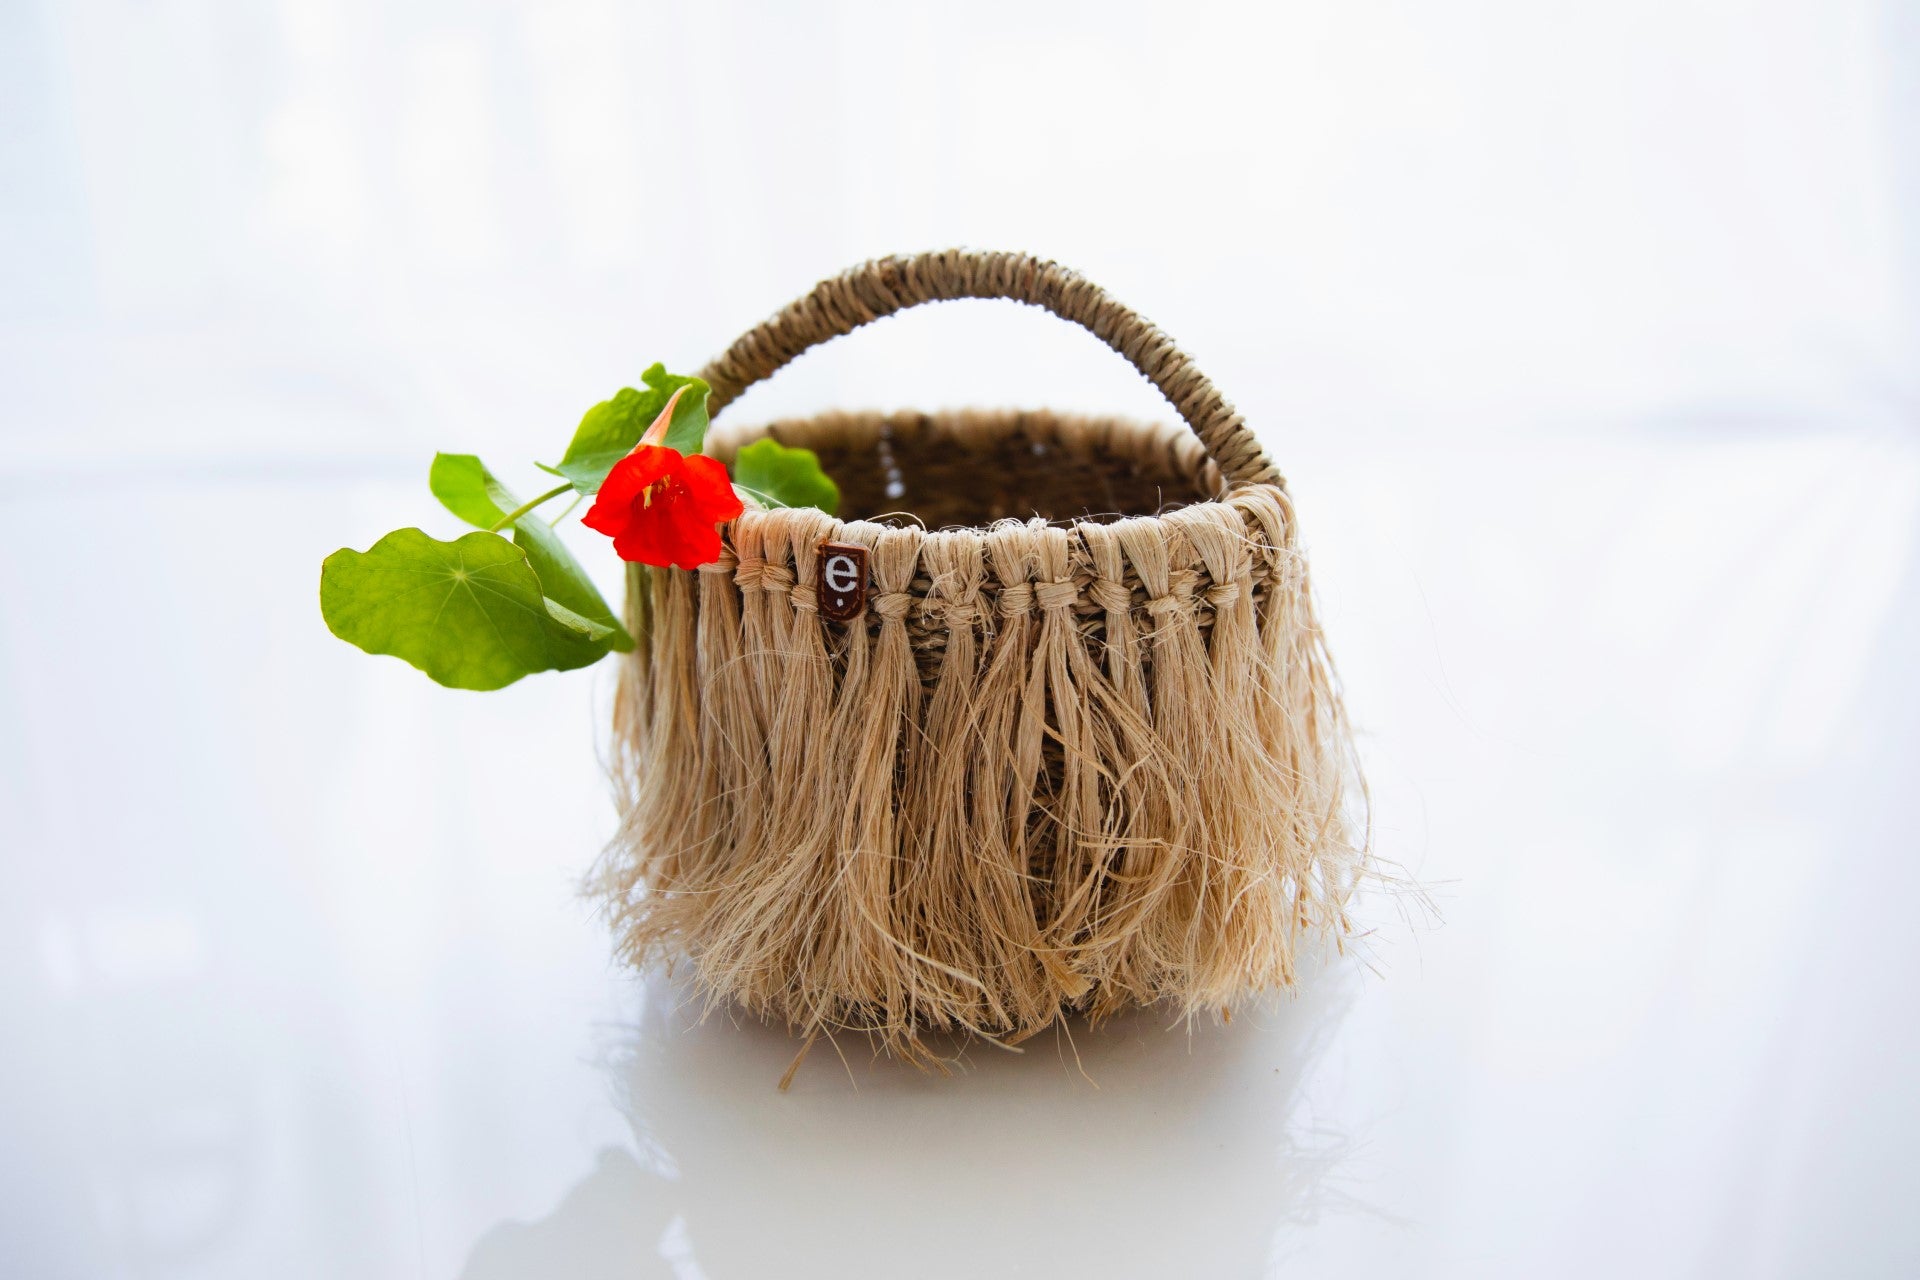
(1050, 770)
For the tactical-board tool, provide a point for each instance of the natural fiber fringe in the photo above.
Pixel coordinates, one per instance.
(1052, 770)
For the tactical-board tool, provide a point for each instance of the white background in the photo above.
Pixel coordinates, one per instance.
(1586, 334)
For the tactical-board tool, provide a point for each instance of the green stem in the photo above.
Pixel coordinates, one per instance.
(525, 507)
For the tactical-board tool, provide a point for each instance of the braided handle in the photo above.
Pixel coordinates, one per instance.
(886, 285)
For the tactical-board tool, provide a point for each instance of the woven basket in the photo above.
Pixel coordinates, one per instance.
(1071, 741)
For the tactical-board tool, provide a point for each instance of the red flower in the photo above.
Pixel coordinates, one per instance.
(662, 508)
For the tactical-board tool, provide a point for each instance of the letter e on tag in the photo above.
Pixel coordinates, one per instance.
(843, 580)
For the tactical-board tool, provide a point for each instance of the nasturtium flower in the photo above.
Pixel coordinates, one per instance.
(663, 508)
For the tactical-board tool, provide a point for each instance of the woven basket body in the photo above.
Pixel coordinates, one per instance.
(1079, 748)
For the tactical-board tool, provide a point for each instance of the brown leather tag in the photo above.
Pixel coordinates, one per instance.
(843, 580)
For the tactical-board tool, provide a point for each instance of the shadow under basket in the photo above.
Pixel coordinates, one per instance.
(1079, 747)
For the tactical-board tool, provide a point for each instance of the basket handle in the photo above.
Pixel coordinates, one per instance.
(886, 285)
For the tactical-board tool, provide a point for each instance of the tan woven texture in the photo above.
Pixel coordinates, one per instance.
(1083, 750)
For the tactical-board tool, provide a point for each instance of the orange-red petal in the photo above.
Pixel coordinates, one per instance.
(710, 487)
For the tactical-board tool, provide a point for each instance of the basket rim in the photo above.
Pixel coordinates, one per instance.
(1184, 454)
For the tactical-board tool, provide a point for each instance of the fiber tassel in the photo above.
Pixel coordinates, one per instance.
(879, 969)
(1173, 939)
(1061, 667)
(749, 921)
(727, 756)
(1242, 896)
(956, 913)
(763, 584)
(734, 724)
(1131, 870)
(764, 936)
(1012, 750)
(997, 837)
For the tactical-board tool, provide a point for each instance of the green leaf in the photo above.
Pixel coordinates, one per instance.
(469, 613)
(780, 476)
(611, 428)
(465, 487)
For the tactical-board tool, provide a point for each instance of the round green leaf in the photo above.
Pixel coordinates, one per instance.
(469, 613)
